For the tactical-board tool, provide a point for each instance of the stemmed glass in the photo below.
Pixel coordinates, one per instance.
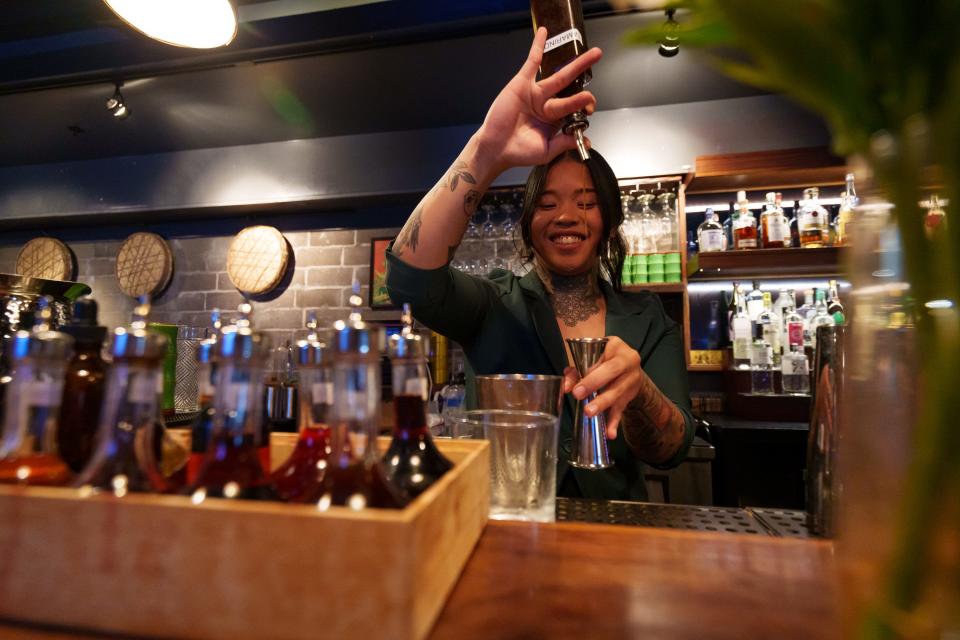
(507, 226)
(489, 228)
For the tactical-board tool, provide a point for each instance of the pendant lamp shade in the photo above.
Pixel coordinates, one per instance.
(199, 24)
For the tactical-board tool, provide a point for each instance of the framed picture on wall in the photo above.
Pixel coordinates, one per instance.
(379, 298)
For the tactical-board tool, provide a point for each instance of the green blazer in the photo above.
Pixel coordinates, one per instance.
(505, 324)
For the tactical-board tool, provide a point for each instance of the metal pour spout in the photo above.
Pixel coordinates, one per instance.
(589, 433)
(576, 123)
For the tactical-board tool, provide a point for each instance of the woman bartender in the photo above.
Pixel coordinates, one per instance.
(570, 230)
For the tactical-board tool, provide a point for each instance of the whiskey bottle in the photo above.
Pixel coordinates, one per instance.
(744, 224)
(812, 220)
(773, 225)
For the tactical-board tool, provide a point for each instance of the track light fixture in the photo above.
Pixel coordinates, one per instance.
(117, 106)
(669, 45)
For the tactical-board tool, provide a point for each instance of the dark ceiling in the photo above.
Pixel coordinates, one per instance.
(392, 65)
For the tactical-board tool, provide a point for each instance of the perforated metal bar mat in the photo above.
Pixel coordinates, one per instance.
(690, 517)
(784, 522)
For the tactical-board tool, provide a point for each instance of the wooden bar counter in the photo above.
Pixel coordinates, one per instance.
(600, 581)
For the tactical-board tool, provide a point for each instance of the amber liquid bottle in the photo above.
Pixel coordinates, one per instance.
(566, 39)
(354, 476)
(83, 386)
(413, 462)
(299, 478)
(28, 449)
(232, 467)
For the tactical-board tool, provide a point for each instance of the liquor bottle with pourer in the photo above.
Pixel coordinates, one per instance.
(206, 376)
(566, 39)
(354, 476)
(298, 478)
(126, 457)
(38, 359)
(412, 462)
(232, 467)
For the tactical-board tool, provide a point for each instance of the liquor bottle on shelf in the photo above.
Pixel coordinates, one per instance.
(453, 398)
(741, 330)
(234, 464)
(298, 479)
(128, 451)
(202, 426)
(280, 392)
(794, 225)
(834, 307)
(713, 326)
(812, 220)
(412, 461)
(795, 371)
(761, 366)
(754, 302)
(728, 229)
(354, 476)
(795, 328)
(566, 39)
(807, 310)
(83, 386)
(820, 318)
(37, 360)
(744, 224)
(782, 302)
(774, 230)
(769, 328)
(710, 234)
(848, 201)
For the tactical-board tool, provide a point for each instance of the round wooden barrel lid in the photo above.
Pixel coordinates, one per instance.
(257, 259)
(46, 258)
(144, 265)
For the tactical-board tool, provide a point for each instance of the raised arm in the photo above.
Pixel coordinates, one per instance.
(521, 129)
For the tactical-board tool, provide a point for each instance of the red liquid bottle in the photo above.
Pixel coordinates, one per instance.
(28, 450)
(232, 466)
(202, 427)
(354, 476)
(127, 452)
(413, 462)
(83, 386)
(566, 39)
(299, 478)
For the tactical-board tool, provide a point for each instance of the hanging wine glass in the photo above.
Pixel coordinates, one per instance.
(489, 229)
(507, 225)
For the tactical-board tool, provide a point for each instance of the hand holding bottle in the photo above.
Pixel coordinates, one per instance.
(521, 128)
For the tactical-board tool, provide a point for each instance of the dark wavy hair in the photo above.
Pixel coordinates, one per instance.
(611, 249)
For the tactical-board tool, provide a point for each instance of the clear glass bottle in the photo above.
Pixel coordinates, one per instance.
(795, 326)
(37, 360)
(412, 461)
(795, 371)
(128, 450)
(742, 333)
(754, 301)
(453, 398)
(812, 220)
(236, 459)
(354, 476)
(566, 39)
(782, 302)
(820, 318)
(848, 202)
(83, 386)
(774, 229)
(299, 477)
(710, 233)
(202, 427)
(744, 224)
(761, 366)
(769, 327)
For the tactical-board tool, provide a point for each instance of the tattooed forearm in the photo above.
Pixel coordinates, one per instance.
(456, 173)
(409, 236)
(652, 425)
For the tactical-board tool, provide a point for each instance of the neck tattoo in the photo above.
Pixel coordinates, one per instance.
(575, 298)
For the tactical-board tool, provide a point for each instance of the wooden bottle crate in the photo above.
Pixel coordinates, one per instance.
(154, 565)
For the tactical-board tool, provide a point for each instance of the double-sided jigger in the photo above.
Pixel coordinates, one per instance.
(589, 432)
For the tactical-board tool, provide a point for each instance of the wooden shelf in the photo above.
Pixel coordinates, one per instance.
(705, 367)
(764, 264)
(779, 169)
(657, 287)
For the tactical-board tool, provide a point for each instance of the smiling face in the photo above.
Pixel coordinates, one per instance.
(567, 226)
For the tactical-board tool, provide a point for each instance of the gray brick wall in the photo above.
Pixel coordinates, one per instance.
(326, 264)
